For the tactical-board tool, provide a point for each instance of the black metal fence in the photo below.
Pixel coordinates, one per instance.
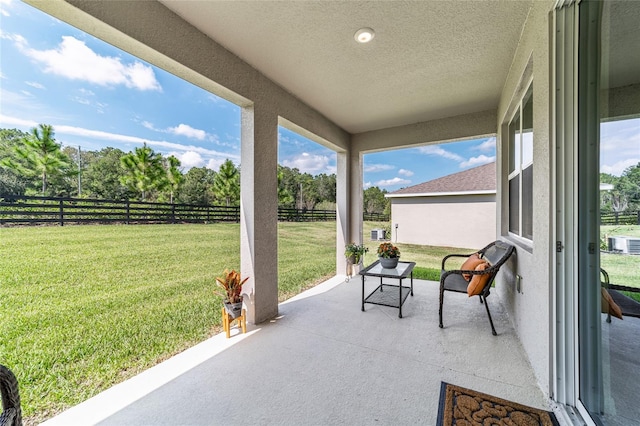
(35, 210)
(620, 218)
(62, 210)
(375, 217)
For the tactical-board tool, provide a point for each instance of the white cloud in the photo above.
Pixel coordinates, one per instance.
(215, 163)
(149, 125)
(20, 41)
(183, 130)
(374, 168)
(392, 182)
(477, 161)
(188, 131)
(73, 59)
(618, 168)
(486, 146)
(84, 97)
(119, 138)
(82, 101)
(189, 159)
(4, 5)
(35, 84)
(367, 185)
(437, 151)
(12, 121)
(86, 92)
(407, 173)
(309, 163)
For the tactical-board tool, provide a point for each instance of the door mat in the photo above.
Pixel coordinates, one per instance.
(460, 406)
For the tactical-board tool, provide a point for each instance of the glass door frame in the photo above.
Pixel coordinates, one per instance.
(575, 60)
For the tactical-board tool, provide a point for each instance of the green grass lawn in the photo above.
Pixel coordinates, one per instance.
(85, 307)
(623, 269)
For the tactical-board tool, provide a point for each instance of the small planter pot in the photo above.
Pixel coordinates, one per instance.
(389, 262)
(233, 309)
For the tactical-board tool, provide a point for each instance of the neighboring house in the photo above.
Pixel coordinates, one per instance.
(541, 76)
(458, 210)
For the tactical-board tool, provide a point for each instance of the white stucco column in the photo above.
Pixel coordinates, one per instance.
(259, 212)
(355, 196)
(343, 191)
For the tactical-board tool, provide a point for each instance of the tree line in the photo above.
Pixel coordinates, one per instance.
(34, 163)
(625, 195)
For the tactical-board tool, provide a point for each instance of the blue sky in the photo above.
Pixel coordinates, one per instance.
(95, 95)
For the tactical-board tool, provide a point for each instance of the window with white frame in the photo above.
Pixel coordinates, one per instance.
(521, 168)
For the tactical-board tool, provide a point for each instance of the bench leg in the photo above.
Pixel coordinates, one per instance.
(441, 302)
(486, 305)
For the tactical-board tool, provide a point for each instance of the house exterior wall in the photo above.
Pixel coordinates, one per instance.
(530, 309)
(466, 221)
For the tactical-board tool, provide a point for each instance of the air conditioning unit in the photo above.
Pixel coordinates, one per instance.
(378, 234)
(626, 245)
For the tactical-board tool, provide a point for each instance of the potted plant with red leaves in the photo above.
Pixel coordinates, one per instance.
(231, 283)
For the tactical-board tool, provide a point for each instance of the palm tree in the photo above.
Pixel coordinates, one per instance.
(144, 170)
(38, 154)
(226, 183)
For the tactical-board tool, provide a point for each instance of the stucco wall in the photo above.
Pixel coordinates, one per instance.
(530, 309)
(467, 221)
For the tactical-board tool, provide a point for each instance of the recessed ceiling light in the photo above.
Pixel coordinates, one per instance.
(364, 35)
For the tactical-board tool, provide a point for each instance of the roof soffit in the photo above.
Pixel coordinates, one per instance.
(429, 60)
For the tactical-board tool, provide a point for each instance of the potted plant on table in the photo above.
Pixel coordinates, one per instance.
(388, 255)
(231, 283)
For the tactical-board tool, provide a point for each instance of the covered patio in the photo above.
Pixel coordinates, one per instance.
(527, 72)
(323, 361)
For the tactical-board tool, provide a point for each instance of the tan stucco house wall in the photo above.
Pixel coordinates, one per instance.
(464, 220)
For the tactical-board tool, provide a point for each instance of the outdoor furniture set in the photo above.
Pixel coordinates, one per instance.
(474, 277)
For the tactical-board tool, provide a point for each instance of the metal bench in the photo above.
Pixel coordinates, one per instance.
(495, 253)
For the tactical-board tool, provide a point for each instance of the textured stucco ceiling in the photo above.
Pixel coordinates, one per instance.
(428, 60)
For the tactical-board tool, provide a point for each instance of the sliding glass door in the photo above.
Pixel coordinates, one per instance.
(597, 109)
(608, 158)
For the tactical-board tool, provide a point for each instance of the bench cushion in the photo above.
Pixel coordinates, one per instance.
(470, 265)
(478, 282)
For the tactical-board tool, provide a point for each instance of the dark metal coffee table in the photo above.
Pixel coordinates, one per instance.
(388, 294)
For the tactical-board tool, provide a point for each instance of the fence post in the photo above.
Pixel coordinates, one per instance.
(127, 219)
(61, 212)
(638, 217)
(173, 213)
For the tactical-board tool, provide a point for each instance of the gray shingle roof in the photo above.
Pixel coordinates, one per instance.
(481, 178)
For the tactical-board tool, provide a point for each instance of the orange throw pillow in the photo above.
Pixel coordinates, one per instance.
(470, 265)
(478, 282)
(609, 306)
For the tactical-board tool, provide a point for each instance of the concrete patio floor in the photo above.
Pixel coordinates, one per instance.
(324, 361)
